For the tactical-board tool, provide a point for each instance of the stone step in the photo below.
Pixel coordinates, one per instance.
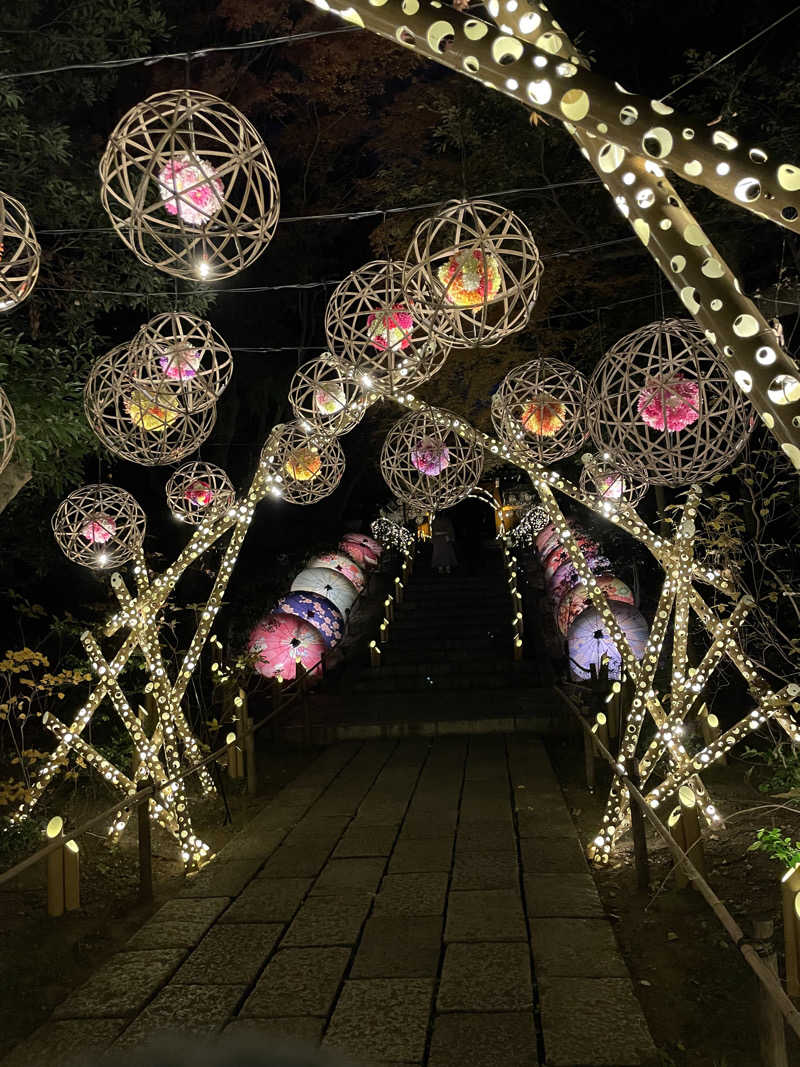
(454, 683)
(437, 669)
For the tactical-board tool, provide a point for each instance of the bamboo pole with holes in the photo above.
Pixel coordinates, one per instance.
(690, 820)
(55, 868)
(72, 876)
(790, 888)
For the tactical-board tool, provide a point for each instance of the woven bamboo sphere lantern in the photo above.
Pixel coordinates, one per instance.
(196, 490)
(539, 409)
(142, 415)
(373, 328)
(189, 186)
(20, 254)
(662, 399)
(612, 482)
(478, 263)
(325, 396)
(8, 431)
(426, 464)
(182, 349)
(99, 526)
(301, 466)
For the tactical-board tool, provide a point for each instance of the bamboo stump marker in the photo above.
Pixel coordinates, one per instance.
(55, 868)
(145, 848)
(374, 654)
(72, 876)
(691, 829)
(675, 827)
(772, 1032)
(790, 887)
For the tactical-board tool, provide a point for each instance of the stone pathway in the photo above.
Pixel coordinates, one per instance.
(418, 902)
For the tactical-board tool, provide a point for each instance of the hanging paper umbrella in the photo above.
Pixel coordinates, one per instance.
(330, 584)
(564, 572)
(576, 599)
(281, 642)
(365, 541)
(561, 555)
(544, 536)
(549, 546)
(359, 554)
(320, 612)
(338, 561)
(589, 640)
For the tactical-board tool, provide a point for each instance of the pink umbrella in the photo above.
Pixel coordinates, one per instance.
(281, 642)
(588, 639)
(576, 599)
(358, 554)
(330, 584)
(337, 561)
(368, 542)
(561, 555)
(544, 536)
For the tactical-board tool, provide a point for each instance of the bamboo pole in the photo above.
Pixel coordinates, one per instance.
(374, 654)
(790, 887)
(693, 838)
(771, 1029)
(675, 827)
(638, 829)
(234, 756)
(251, 768)
(55, 868)
(72, 876)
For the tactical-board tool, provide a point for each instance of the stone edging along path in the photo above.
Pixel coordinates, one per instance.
(421, 902)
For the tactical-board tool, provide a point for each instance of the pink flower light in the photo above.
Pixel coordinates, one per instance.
(389, 329)
(99, 530)
(430, 456)
(190, 189)
(199, 493)
(181, 363)
(671, 404)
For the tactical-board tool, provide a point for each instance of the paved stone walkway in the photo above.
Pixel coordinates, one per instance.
(419, 902)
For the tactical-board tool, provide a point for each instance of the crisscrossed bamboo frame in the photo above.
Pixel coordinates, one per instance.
(499, 236)
(179, 428)
(648, 360)
(170, 337)
(603, 476)
(436, 492)
(8, 430)
(118, 515)
(186, 478)
(20, 254)
(534, 383)
(332, 381)
(289, 443)
(187, 124)
(356, 306)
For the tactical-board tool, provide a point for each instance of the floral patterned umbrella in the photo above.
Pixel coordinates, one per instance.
(281, 642)
(560, 556)
(323, 615)
(589, 640)
(547, 545)
(338, 561)
(361, 549)
(330, 584)
(544, 536)
(576, 599)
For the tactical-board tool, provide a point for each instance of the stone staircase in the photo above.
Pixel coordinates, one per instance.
(447, 668)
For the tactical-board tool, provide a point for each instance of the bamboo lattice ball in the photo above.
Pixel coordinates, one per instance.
(475, 269)
(301, 466)
(185, 350)
(20, 254)
(426, 464)
(8, 431)
(662, 399)
(99, 526)
(198, 489)
(384, 337)
(190, 186)
(612, 482)
(141, 415)
(325, 396)
(539, 409)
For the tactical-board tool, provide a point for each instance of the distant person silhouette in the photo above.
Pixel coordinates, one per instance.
(443, 536)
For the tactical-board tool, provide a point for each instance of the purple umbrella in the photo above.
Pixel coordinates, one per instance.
(589, 639)
(323, 615)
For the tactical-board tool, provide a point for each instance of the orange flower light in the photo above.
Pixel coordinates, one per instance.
(543, 417)
(145, 411)
(303, 464)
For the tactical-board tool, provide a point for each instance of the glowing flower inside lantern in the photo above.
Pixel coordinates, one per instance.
(670, 404)
(199, 494)
(145, 411)
(99, 530)
(470, 277)
(303, 464)
(181, 362)
(430, 456)
(544, 416)
(390, 329)
(329, 400)
(190, 189)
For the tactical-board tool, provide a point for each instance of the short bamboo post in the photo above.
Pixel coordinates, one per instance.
(709, 725)
(517, 649)
(384, 634)
(248, 742)
(638, 830)
(600, 728)
(72, 876)
(675, 827)
(691, 829)
(602, 674)
(398, 590)
(145, 847)
(790, 887)
(374, 654)
(234, 755)
(771, 1029)
(55, 867)
(389, 605)
(612, 709)
(588, 759)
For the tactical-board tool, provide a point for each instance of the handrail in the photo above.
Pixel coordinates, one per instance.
(768, 978)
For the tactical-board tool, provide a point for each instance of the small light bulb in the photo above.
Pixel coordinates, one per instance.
(203, 268)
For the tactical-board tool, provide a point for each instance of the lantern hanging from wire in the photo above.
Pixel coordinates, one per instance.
(20, 254)
(662, 400)
(99, 526)
(603, 476)
(189, 186)
(185, 351)
(280, 641)
(301, 466)
(328, 583)
(198, 489)
(8, 431)
(427, 464)
(141, 415)
(474, 270)
(384, 339)
(538, 409)
(325, 395)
